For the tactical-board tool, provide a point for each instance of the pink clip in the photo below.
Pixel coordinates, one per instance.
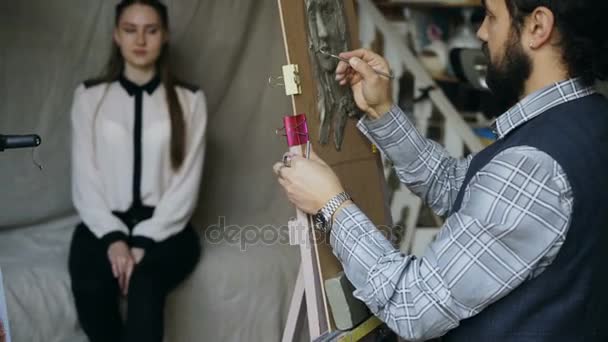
(296, 129)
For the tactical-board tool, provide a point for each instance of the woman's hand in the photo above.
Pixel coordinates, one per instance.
(122, 264)
(2, 332)
(309, 183)
(137, 254)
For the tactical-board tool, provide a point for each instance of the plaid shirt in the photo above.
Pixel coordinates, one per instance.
(513, 220)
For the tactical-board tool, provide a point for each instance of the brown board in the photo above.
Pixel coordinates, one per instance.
(357, 164)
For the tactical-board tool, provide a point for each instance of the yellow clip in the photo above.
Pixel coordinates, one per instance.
(374, 149)
(361, 331)
(291, 78)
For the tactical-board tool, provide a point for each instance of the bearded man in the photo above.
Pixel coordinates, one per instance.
(523, 251)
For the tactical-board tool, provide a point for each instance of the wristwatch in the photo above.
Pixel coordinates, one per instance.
(323, 218)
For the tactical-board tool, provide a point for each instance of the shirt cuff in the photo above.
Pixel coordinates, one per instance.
(388, 128)
(142, 242)
(112, 237)
(351, 230)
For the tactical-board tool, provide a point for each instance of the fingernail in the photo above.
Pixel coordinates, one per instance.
(354, 61)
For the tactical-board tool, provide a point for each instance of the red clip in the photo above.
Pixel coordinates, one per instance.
(296, 129)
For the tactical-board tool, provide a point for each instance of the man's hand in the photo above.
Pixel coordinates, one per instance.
(372, 92)
(122, 264)
(309, 183)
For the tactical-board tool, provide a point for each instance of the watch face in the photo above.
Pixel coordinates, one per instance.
(319, 221)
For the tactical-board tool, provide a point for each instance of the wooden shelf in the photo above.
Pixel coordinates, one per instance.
(393, 9)
(428, 3)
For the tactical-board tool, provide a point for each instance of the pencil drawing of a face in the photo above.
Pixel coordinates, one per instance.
(327, 31)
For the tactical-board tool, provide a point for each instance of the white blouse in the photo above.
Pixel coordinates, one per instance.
(103, 118)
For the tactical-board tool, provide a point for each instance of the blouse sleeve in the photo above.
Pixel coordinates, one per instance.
(87, 188)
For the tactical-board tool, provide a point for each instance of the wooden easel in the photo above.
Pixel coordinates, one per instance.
(358, 166)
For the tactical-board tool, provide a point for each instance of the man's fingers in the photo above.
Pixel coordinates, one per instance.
(360, 53)
(340, 77)
(276, 168)
(364, 69)
(363, 54)
(283, 182)
(282, 171)
(347, 77)
(342, 68)
(367, 69)
(354, 78)
(294, 160)
(345, 74)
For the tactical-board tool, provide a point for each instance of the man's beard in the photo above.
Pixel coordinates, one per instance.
(507, 77)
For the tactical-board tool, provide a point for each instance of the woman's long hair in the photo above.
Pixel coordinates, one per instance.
(115, 67)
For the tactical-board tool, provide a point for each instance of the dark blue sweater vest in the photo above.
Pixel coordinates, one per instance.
(568, 302)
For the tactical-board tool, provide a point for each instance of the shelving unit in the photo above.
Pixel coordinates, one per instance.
(428, 3)
(436, 117)
(393, 10)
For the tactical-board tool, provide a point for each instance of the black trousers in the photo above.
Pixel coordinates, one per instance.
(96, 291)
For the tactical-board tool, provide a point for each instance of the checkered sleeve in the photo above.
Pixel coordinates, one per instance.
(513, 220)
(420, 163)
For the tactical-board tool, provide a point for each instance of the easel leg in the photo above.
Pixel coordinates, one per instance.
(296, 309)
(308, 287)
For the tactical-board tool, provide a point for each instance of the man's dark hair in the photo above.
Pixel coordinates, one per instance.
(582, 26)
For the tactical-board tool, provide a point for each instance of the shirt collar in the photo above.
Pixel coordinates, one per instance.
(539, 102)
(133, 88)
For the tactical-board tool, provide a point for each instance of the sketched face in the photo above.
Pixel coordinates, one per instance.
(327, 30)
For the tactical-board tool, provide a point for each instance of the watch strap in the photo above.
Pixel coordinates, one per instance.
(330, 208)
